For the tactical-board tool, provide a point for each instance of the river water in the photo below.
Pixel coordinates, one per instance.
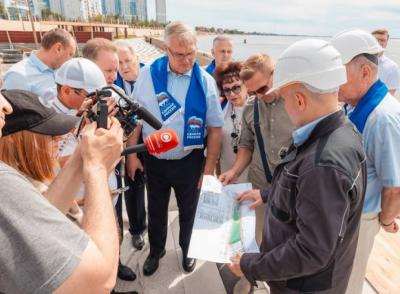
(274, 45)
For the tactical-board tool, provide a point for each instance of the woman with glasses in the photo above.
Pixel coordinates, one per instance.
(231, 88)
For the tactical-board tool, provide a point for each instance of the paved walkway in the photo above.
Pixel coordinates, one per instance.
(170, 277)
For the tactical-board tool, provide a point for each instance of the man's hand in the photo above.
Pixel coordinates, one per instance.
(228, 177)
(101, 148)
(234, 266)
(392, 228)
(254, 196)
(133, 164)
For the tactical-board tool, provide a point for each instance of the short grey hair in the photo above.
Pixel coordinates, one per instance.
(359, 60)
(120, 44)
(182, 31)
(221, 38)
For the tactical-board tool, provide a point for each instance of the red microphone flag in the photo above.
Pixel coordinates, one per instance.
(161, 141)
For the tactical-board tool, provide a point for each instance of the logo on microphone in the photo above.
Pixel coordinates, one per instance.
(166, 137)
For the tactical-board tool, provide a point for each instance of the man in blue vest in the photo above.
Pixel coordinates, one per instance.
(128, 72)
(376, 114)
(181, 94)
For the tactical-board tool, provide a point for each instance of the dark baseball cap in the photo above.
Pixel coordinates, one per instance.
(32, 114)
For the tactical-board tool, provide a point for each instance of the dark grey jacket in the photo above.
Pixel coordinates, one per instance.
(314, 209)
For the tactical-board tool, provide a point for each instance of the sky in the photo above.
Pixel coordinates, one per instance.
(305, 17)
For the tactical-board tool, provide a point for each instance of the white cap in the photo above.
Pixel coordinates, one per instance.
(310, 61)
(81, 73)
(351, 43)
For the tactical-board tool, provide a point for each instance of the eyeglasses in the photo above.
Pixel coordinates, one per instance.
(261, 91)
(182, 56)
(235, 89)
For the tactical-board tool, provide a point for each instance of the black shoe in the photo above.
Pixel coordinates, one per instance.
(188, 264)
(129, 292)
(125, 273)
(137, 241)
(151, 263)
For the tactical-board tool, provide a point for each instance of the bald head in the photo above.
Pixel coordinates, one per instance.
(304, 103)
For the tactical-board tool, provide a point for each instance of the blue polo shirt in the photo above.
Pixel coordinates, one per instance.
(381, 142)
(31, 74)
(178, 86)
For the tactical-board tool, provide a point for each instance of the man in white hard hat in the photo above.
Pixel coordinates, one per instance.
(376, 114)
(388, 70)
(315, 200)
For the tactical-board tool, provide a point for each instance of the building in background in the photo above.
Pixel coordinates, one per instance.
(126, 9)
(141, 6)
(81, 10)
(16, 9)
(161, 11)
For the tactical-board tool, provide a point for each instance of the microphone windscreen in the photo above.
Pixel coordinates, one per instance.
(161, 141)
(148, 117)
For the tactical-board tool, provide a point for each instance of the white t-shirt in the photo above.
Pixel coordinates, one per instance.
(232, 124)
(389, 73)
(68, 143)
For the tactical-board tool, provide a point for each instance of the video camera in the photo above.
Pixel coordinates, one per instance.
(128, 111)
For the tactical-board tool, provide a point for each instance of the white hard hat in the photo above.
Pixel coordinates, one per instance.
(351, 43)
(310, 61)
(81, 73)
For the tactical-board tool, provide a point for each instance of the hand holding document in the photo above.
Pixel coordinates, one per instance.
(222, 227)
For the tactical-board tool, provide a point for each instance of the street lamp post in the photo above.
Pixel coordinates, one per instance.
(32, 24)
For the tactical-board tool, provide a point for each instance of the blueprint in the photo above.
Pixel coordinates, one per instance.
(222, 227)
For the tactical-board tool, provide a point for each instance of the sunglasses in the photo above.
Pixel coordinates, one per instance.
(235, 89)
(261, 91)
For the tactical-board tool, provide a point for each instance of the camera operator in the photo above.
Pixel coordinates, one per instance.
(104, 54)
(42, 251)
(75, 79)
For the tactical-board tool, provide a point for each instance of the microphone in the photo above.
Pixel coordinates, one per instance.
(140, 111)
(105, 93)
(156, 143)
(148, 117)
